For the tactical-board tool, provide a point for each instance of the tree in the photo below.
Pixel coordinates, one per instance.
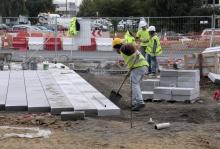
(34, 7)
(12, 8)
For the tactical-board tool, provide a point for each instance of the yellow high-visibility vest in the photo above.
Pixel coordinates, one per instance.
(154, 47)
(128, 38)
(144, 36)
(72, 29)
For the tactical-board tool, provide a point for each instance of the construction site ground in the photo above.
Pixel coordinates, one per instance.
(193, 126)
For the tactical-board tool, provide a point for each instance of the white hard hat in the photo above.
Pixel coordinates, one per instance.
(152, 28)
(142, 24)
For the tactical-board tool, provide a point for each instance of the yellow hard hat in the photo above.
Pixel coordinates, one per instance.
(116, 41)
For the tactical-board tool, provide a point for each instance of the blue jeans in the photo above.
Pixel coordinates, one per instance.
(153, 64)
(135, 78)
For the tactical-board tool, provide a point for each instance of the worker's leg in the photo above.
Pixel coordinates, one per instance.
(149, 60)
(154, 64)
(143, 49)
(136, 77)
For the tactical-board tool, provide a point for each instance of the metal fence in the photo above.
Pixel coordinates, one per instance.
(178, 35)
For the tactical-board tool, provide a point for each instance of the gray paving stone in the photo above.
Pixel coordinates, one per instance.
(151, 82)
(162, 96)
(163, 90)
(184, 91)
(185, 98)
(56, 98)
(37, 100)
(188, 79)
(189, 73)
(188, 85)
(168, 83)
(147, 95)
(168, 73)
(147, 88)
(72, 116)
(4, 78)
(16, 96)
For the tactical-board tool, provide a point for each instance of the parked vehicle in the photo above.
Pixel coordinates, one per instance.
(4, 27)
(207, 34)
(28, 28)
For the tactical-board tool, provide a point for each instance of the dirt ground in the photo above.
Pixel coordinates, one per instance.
(193, 126)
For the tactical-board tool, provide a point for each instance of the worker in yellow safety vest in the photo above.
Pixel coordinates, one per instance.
(153, 50)
(129, 38)
(143, 36)
(138, 66)
(74, 27)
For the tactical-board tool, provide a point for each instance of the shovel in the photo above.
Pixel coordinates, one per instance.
(115, 97)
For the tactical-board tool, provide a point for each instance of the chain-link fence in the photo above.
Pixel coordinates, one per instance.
(47, 37)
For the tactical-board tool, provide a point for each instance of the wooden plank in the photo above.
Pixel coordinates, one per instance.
(56, 98)
(4, 78)
(37, 100)
(16, 96)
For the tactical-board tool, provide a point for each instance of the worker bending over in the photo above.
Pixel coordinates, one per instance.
(138, 66)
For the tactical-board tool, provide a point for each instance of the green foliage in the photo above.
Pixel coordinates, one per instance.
(12, 8)
(36, 6)
(126, 8)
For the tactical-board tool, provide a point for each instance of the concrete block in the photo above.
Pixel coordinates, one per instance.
(147, 88)
(189, 73)
(215, 78)
(72, 115)
(188, 85)
(185, 98)
(162, 96)
(168, 83)
(151, 82)
(188, 79)
(147, 95)
(168, 73)
(163, 90)
(184, 91)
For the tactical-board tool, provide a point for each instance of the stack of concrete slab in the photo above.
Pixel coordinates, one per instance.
(147, 87)
(215, 78)
(178, 85)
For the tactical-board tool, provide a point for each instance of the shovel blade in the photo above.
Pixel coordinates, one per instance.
(115, 97)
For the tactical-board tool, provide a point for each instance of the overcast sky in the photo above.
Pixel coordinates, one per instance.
(64, 1)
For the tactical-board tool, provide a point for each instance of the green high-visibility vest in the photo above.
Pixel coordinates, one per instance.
(154, 47)
(128, 38)
(72, 29)
(131, 63)
(144, 36)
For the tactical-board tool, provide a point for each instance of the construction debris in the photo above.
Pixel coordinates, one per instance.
(72, 115)
(162, 126)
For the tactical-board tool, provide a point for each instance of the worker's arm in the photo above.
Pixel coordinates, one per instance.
(128, 49)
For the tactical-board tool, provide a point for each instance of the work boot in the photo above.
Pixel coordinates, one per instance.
(137, 107)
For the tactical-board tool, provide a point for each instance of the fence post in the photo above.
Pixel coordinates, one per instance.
(56, 39)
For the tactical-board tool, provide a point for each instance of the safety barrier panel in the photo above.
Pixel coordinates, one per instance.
(91, 47)
(104, 44)
(69, 44)
(53, 43)
(36, 43)
(20, 43)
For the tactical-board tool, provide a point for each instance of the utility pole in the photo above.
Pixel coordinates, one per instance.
(212, 41)
(66, 7)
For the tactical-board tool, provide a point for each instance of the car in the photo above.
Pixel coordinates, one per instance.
(207, 34)
(4, 27)
(17, 28)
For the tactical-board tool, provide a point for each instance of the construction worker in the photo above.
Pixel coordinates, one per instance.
(138, 66)
(153, 49)
(143, 36)
(129, 38)
(74, 27)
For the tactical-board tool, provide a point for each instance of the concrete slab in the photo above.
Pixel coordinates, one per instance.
(185, 98)
(77, 99)
(188, 85)
(56, 98)
(188, 79)
(163, 90)
(189, 73)
(147, 95)
(184, 91)
(16, 95)
(168, 73)
(151, 82)
(147, 88)
(162, 96)
(103, 105)
(4, 77)
(72, 116)
(168, 83)
(36, 97)
(215, 78)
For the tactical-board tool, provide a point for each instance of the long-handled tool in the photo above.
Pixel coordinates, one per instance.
(115, 96)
